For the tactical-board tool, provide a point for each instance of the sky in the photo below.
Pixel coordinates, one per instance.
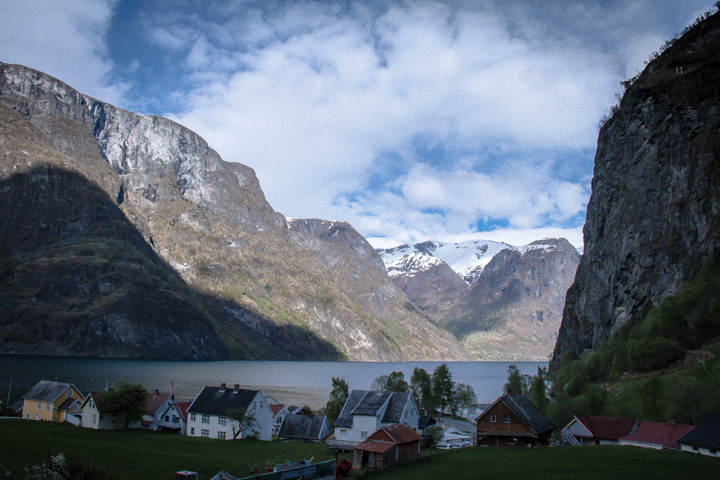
(419, 120)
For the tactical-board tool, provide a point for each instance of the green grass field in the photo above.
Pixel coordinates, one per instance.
(147, 455)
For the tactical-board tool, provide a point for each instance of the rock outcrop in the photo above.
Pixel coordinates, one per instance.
(653, 213)
(132, 237)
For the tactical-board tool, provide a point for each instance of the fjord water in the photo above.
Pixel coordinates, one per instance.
(292, 383)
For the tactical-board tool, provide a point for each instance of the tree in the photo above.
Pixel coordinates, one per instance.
(538, 389)
(651, 390)
(463, 397)
(242, 420)
(380, 383)
(516, 383)
(421, 387)
(396, 382)
(338, 397)
(127, 397)
(442, 386)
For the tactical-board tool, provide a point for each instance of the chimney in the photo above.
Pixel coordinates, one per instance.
(157, 392)
(672, 420)
(237, 387)
(222, 386)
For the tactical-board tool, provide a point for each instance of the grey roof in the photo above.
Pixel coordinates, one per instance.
(47, 390)
(306, 427)
(218, 400)
(526, 411)
(370, 402)
(706, 434)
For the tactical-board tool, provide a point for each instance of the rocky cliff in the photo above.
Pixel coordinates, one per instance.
(501, 302)
(127, 235)
(653, 213)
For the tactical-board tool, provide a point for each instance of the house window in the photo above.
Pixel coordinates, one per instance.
(175, 419)
(192, 430)
(363, 434)
(254, 405)
(94, 419)
(206, 418)
(343, 431)
(221, 435)
(192, 417)
(204, 432)
(493, 419)
(37, 417)
(261, 405)
(507, 418)
(27, 416)
(167, 418)
(39, 404)
(222, 420)
(69, 393)
(47, 405)
(113, 420)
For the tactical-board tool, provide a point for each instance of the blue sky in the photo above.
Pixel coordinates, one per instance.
(412, 120)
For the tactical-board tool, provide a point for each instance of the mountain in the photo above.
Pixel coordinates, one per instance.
(128, 236)
(653, 214)
(502, 302)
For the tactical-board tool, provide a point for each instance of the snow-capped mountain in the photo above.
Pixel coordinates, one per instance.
(499, 300)
(468, 259)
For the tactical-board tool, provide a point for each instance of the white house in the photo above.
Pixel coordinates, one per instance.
(365, 411)
(155, 405)
(101, 416)
(208, 413)
(173, 417)
(279, 411)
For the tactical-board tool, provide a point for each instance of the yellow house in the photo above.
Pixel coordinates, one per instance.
(51, 401)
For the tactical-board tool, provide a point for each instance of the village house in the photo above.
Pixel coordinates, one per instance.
(155, 406)
(704, 438)
(512, 420)
(279, 411)
(388, 445)
(173, 417)
(656, 435)
(102, 415)
(307, 428)
(208, 413)
(365, 411)
(597, 430)
(51, 401)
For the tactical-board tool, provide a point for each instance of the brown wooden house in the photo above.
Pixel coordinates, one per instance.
(513, 421)
(387, 446)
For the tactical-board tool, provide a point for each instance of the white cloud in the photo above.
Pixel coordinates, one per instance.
(63, 39)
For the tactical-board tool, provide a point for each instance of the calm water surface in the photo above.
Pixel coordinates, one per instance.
(293, 383)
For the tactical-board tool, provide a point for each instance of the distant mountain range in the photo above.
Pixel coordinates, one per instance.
(124, 235)
(499, 300)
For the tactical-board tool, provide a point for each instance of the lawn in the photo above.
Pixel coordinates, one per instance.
(556, 463)
(145, 455)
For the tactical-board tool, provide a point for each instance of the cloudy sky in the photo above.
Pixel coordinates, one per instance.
(412, 120)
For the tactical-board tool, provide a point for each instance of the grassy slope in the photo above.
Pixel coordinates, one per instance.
(557, 463)
(140, 455)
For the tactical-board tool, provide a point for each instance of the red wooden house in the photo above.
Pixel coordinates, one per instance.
(513, 421)
(387, 446)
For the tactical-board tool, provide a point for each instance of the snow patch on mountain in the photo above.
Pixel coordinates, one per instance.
(468, 259)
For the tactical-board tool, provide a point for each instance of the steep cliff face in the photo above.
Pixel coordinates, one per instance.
(653, 212)
(219, 270)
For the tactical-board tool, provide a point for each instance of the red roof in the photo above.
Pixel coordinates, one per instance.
(376, 446)
(276, 408)
(607, 428)
(656, 433)
(155, 401)
(402, 433)
(182, 409)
